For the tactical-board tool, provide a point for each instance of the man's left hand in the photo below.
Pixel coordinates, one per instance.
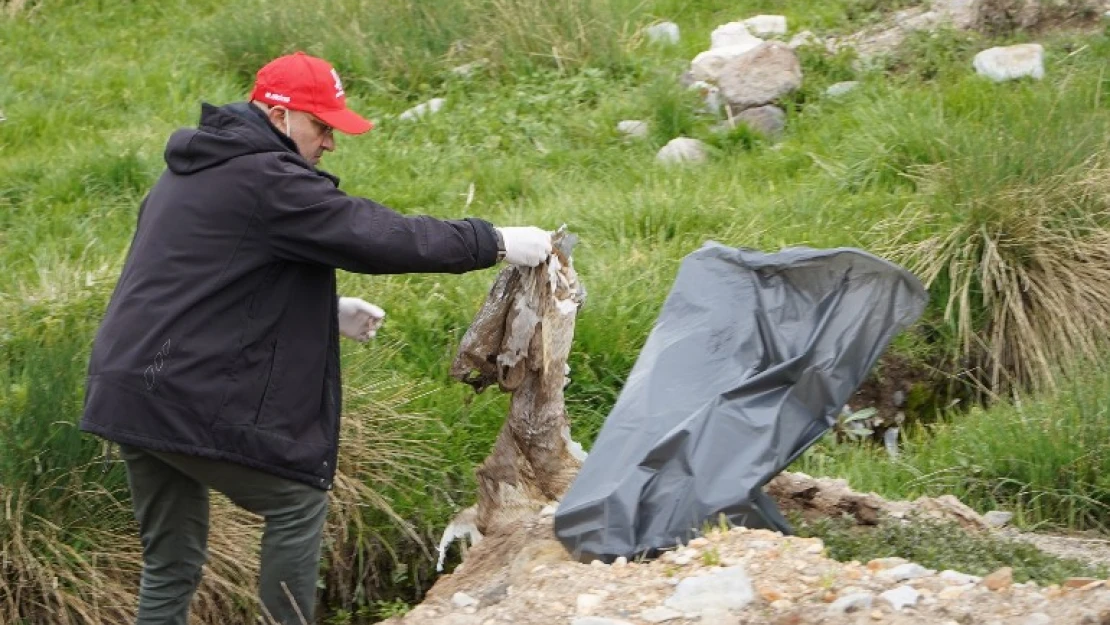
(359, 320)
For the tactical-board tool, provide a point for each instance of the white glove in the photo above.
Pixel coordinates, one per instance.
(359, 320)
(526, 246)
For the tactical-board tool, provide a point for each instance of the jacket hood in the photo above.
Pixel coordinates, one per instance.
(224, 133)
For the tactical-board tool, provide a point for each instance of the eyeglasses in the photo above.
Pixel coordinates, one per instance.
(323, 129)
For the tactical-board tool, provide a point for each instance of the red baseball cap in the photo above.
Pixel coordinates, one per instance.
(305, 83)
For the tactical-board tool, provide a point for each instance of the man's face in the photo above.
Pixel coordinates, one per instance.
(311, 135)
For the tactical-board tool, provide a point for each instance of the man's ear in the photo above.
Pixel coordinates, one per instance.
(277, 115)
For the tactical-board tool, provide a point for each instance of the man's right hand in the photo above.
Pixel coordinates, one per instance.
(527, 246)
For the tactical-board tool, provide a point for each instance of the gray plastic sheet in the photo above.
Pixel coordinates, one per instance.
(750, 361)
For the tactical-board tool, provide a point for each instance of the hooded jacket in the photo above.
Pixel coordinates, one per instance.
(221, 338)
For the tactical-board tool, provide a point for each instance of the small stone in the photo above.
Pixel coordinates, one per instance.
(804, 38)
(597, 620)
(633, 128)
(462, 600)
(766, 25)
(816, 548)
(1011, 62)
(421, 110)
(1078, 582)
(998, 518)
(699, 542)
(769, 121)
(769, 593)
(660, 615)
(854, 602)
(904, 572)
(597, 563)
(956, 577)
(725, 588)
(664, 32)
(587, 603)
(880, 564)
(782, 605)
(999, 580)
(876, 615)
(952, 592)
(620, 562)
(683, 560)
(469, 68)
(1037, 618)
(841, 88)
(901, 597)
(683, 150)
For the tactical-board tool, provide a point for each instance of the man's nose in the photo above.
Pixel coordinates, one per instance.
(329, 143)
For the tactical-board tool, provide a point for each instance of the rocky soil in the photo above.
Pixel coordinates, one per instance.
(741, 576)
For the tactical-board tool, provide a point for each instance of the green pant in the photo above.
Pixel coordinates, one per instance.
(170, 495)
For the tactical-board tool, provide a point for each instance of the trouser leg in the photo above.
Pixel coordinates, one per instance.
(294, 515)
(172, 511)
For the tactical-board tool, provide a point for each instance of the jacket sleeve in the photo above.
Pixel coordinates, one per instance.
(309, 219)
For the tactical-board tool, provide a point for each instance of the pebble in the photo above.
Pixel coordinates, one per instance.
(587, 603)
(633, 128)
(880, 564)
(998, 518)
(620, 562)
(597, 620)
(1037, 618)
(901, 597)
(463, 600)
(852, 603)
(1078, 582)
(699, 542)
(999, 580)
(725, 588)
(956, 577)
(841, 88)
(904, 572)
(782, 604)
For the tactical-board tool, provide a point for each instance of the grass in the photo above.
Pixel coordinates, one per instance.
(922, 149)
(941, 545)
(1044, 457)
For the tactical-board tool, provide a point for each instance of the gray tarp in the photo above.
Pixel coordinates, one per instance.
(749, 363)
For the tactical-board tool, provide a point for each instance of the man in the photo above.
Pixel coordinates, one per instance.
(217, 362)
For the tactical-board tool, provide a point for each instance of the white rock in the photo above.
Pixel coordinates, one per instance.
(549, 510)
(841, 88)
(463, 600)
(760, 77)
(904, 572)
(708, 64)
(469, 68)
(420, 110)
(804, 38)
(683, 150)
(597, 620)
(955, 577)
(732, 34)
(766, 25)
(633, 128)
(711, 95)
(659, 615)
(722, 589)
(683, 560)
(998, 518)
(587, 603)
(1011, 62)
(769, 121)
(901, 597)
(664, 32)
(852, 603)
(1037, 618)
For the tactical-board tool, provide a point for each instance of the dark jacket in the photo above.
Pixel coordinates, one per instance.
(221, 339)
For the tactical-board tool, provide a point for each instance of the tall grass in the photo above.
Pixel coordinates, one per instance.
(1045, 457)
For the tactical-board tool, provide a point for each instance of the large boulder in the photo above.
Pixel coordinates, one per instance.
(766, 25)
(761, 76)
